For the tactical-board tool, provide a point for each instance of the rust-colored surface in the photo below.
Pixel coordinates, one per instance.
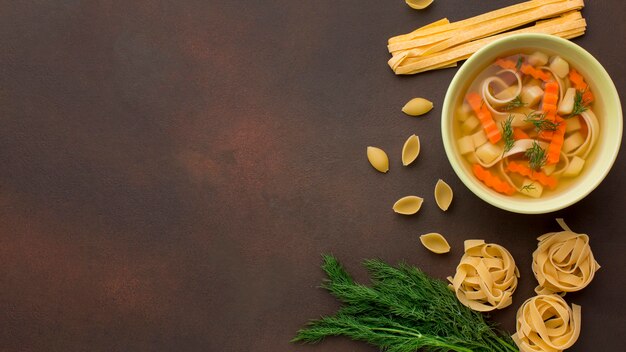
(171, 171)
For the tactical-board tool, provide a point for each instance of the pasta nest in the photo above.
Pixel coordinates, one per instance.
(545, 323)
(486, 277)
(563, 261)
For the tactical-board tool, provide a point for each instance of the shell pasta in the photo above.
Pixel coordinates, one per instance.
(526, 125)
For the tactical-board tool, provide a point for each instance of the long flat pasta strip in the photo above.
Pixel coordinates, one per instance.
(506, 23)
(545, 9)
(401, 56)
(464, 51)
(567, 20)
(506, 11)
(453, 63)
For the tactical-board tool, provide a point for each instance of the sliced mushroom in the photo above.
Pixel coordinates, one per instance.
(408, 205)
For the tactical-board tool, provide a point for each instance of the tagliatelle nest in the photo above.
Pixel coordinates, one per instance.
(546, 324)
(563, 261)
(486, 277)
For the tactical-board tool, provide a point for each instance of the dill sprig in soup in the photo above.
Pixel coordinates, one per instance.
(526, 125)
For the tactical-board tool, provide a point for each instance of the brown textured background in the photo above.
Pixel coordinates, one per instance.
(170, 171)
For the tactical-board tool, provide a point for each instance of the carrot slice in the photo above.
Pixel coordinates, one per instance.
(545, 135)
(539, 176)
(506, 64)
(549, 106)
(535, 73)
(587, 97)
(577, 79)
(484, 115)
(554, 149)
(492, 181)
(550, 98)
(579, 83)
(518, 134)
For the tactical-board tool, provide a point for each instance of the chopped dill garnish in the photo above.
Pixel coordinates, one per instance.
(518, 65)
(540, 122)
(529, 187)
(579, 105)
(515, 103)
(507, 132)
(536, 156)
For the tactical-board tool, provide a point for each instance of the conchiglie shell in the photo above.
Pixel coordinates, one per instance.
(417, 106)
(410, 150)
(435, 243)
(419, 4)
(408, 205)
(378, 158)
(443, 195)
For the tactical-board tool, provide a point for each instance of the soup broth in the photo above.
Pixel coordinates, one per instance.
(526, 125)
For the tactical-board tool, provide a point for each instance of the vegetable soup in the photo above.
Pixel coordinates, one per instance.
(526, 125)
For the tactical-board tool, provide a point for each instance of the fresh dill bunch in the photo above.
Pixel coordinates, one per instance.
(540, 122)
(404, 310)
(529, 187)
(513, 104)
(507, 132)
(579, 105)
(536, 156)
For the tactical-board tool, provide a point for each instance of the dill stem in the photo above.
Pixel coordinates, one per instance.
(495, 345)
(507, 345)
(418, 335)
(398, 331)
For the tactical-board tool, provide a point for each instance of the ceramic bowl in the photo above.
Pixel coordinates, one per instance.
(607, 108)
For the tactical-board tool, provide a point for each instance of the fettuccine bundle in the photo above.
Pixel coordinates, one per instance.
(545, 323)
(563, 261)
(443, 43)
(486, 277)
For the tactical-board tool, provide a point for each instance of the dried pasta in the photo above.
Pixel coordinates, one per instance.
(408, 205)
(435, 243)
(410, 150)
(441, 44)
(545, 323)
(418, 4)
(378, 158)
(486, 277)
(417, 107)
(443, 195)
(563, 261)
